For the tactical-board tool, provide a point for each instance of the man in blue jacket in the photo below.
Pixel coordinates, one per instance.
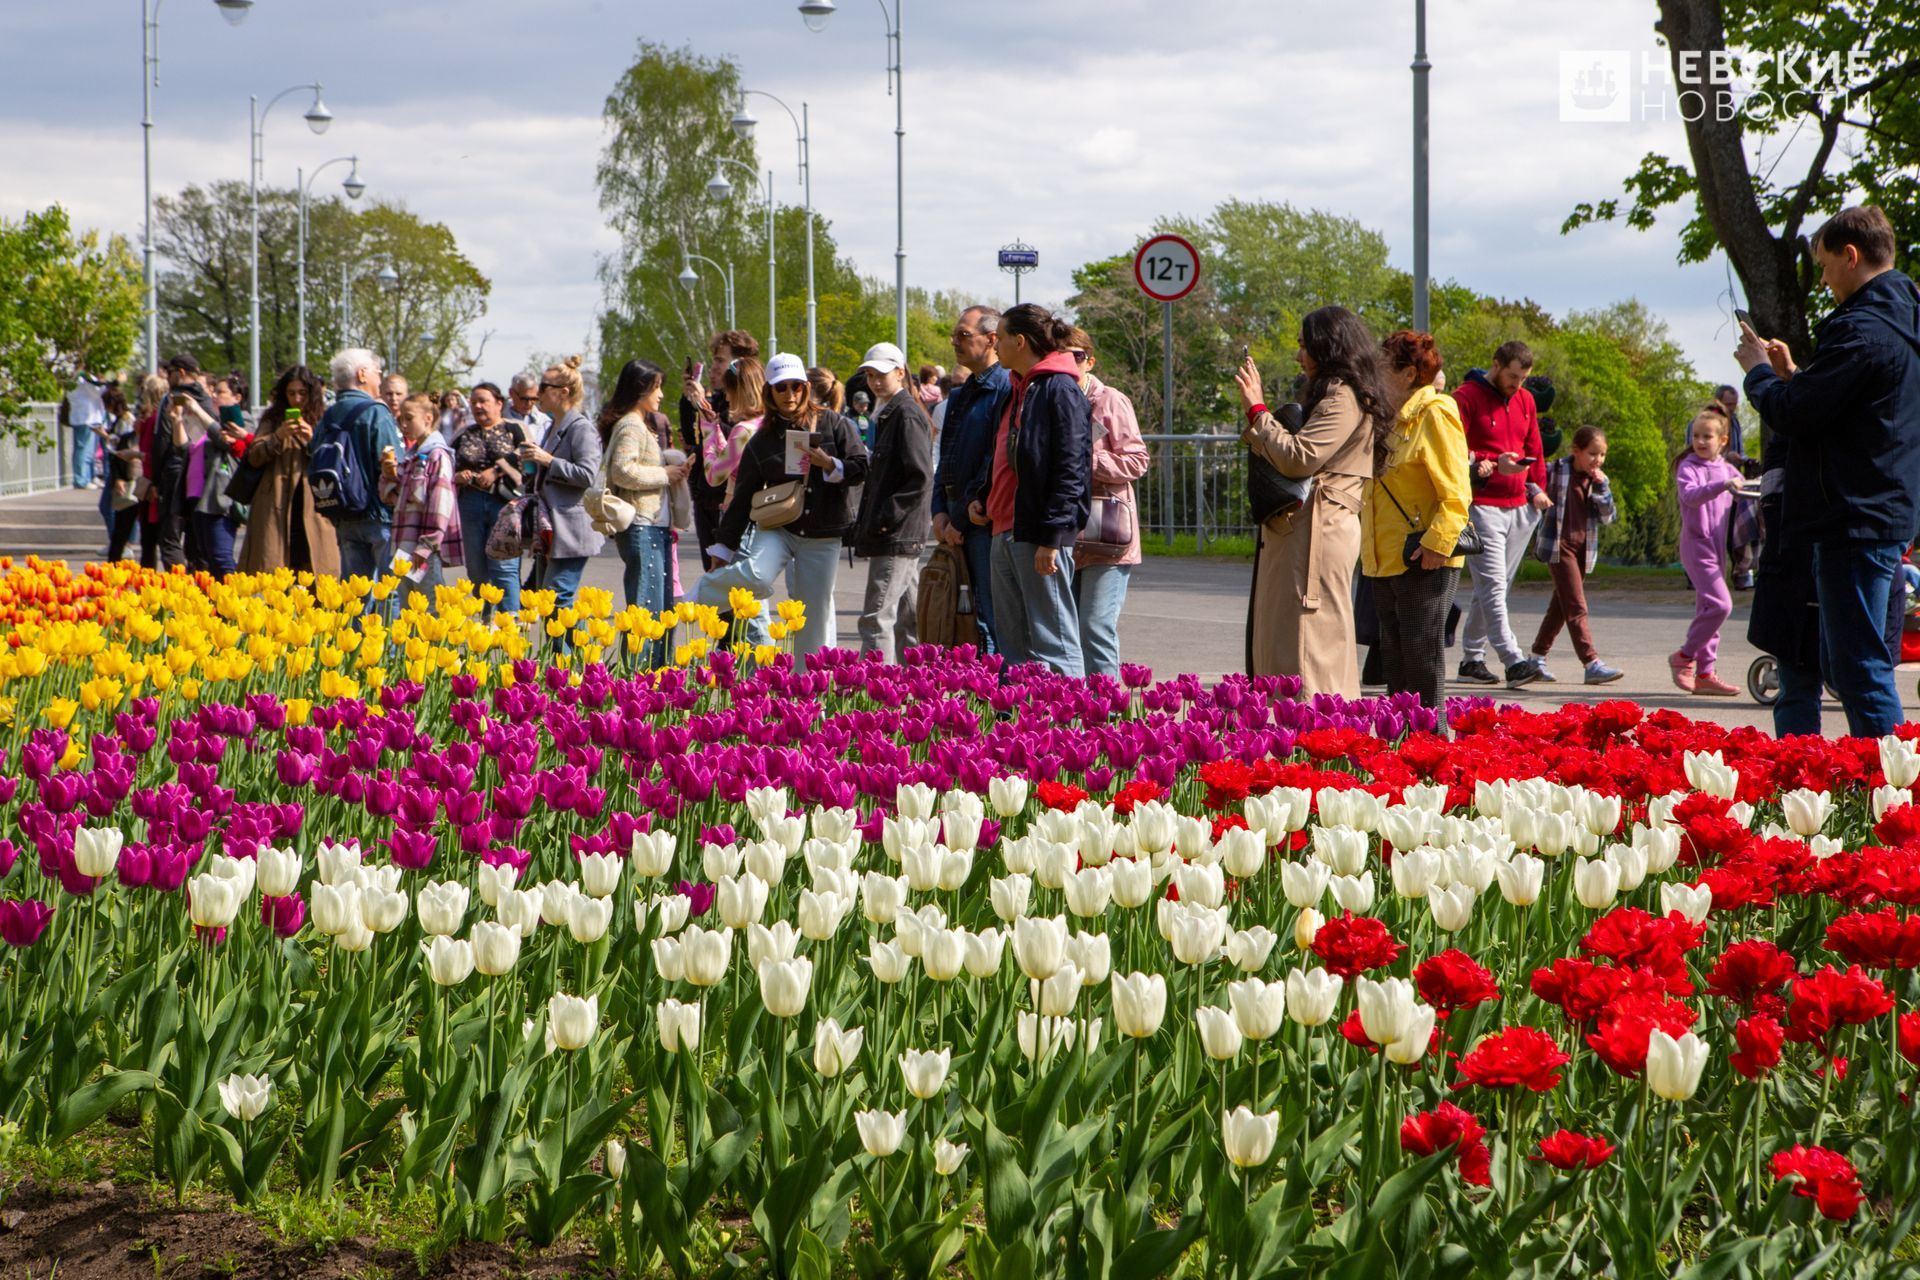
(1852, 417)
(966, 447)
(366, 534)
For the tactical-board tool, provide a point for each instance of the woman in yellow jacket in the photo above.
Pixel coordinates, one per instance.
(1422, 488)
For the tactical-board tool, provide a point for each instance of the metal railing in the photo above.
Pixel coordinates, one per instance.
(1197, 486)
(28, 468)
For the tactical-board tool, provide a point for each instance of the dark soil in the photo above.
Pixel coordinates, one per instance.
(107, 1232)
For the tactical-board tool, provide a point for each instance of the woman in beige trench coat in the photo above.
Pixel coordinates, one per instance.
(1300, 616)
(283, 529)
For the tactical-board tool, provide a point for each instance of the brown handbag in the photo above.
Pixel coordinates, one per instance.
(779, 505)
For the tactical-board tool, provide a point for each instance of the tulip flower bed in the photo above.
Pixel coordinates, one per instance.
(903, 969)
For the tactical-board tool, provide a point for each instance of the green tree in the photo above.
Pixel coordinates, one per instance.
(202, 233)
(1863, 126)
(68, 304)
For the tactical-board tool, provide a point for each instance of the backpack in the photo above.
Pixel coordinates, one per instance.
(336, 473)
(946, 605)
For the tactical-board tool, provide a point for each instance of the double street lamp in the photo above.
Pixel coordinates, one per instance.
(743, 123)
(815, 13)
(353, 187)
(235, 12)
(318, 118)
(720, 189)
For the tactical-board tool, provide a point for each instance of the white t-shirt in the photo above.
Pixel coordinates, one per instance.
(85, 408)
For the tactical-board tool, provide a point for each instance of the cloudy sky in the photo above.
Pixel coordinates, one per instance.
(1071, 124)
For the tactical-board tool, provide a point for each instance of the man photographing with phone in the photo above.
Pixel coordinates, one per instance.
(1851, 421)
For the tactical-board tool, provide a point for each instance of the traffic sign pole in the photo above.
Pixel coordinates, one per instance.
(1166, 267)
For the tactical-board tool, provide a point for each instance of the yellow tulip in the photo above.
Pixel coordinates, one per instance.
(59, 712)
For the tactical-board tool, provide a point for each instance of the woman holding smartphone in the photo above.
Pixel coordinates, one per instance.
(830, 464)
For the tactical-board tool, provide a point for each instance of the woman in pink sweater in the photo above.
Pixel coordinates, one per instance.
(1109, 547)
(1705, 482)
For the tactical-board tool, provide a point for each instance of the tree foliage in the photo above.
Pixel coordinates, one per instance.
(202, 234)
(68, 304)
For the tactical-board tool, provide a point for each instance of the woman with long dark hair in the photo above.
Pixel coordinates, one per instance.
(1300, 616)
(486, 477)
(631, 427)
(283, 529)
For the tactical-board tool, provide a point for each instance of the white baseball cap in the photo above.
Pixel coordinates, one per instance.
(884, 357)
(786, 367)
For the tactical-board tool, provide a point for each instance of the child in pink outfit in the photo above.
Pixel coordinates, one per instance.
(1705, 482)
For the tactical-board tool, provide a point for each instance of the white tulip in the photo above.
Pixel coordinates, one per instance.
(1693, 902)
(1489, 796)
(449, 960)
(1520, 879)
(925, 1072)
(1270, 817)
(910, 927)
(1630, 862)
(915, 800)
(1660, 809)
(1557, 831)
(1354, 893)
(835, 1049)
(1708, 771)
(238, 871)
(1470, 864)
(942, 952)
(1020, 856)
(784, 985)
(1053, 863)
(1249, 1138)
(616, 1158)
(882, 896)
(1404, 827)
(212, 903)
(1039, 945)
(1242, 852)
(1304, 883)
(1595, 884)
(519, 909)
(669, 960)
(779, 941)
(1312, 995)
(1418, 1037)
(1060, 992)
(1674, 1065)
(1601, 813)
(556, 903)
(1386, 1008)
(1885, 799)
(1306, 926)
(1088, 891)
(888, 960)
(1900, 762)
(1219, 1035)
(652, 853)
(491, 878)
(1097, 835)
(496, 948)
(1661, 845)
(599, 874)
(442, 907)
(822, 914)
(672, 910)
(1415, 870)
(766, 860)
(1132, 881)
(1010, 896)
(572, 1021)
(984, 952)
(1192, 837)
(337, 863)
(679, 1025)
(719, 860)
(1092, 955)
(949, 1156)
(246, 1097)
(786, 832)
(1008, 795)
(278, 871)
(355, 938)
(765, 803)
(1198, 933)
(1139, 1003)
(1824, 847)
(706, 954)
(1248, 949)
(881, 1132)
(1201, 885)
(740, 900)
(1257, 1006)
(1452, 907)
(1342, 848)
(336, 908)
(588, 918)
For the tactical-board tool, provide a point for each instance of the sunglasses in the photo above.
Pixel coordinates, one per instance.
(961, 334)
(1081, 357)
(554, 386)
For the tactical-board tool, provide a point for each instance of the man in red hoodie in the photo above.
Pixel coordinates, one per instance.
(1509, 478)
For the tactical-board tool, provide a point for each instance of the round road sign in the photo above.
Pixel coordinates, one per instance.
(1166, 268)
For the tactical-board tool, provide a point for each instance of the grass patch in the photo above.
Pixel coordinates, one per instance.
(1229, 546)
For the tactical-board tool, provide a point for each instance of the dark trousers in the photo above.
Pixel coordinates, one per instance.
(216, 535)
(1797, 709)
(979, 549)
(124, 523)
(1568, 608)
(1855, 581)
(706, 526)
(1413, 617)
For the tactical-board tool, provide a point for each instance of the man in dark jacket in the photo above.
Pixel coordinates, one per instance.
(892, 525)
(1852, 418)
(966, 447)
(1036, 492)
(366, 536)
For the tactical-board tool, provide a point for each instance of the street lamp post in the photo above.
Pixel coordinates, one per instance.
(318, 118)
(235, 12)
(719, 188)
(816, 13)
(1421, 67)
(743, 123)
(390, 281)
(689, 278)
(353, 187)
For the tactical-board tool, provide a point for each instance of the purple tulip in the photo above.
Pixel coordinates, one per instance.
(283, 915)
(412, 850)
(22, 922)
(699, 896)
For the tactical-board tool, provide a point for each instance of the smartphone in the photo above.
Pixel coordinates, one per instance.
(1246, 354)
(1527, 462)
(1744, 317)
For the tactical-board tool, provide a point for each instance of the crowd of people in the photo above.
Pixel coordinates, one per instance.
(1373, 486)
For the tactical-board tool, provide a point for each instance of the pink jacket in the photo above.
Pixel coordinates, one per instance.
(1119, 458)
(1705, 504)
(722, 447)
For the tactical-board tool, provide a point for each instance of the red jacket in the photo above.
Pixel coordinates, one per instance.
(1499, 424)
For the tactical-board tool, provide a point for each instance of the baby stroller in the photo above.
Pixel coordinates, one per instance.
(1763, 676)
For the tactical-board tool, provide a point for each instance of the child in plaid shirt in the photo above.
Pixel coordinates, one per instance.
(419, 488)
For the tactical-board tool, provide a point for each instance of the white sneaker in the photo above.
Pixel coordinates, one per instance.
(1546, 676)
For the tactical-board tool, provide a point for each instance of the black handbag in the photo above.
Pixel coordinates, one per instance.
(244, 483)
(1467, 544)
(1269, 493)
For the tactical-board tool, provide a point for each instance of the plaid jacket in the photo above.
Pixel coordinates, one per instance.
(1546, 539)
(426, 514)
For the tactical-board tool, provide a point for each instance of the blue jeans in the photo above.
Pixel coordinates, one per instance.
(478, 510)
(85, 445)
(979, 549)
(432, 578)
(366, 549)
(644, 549)
(1035, 617)
(811, 566)
(1099, 590)
(1853, 580)
(216, 541)
(1797, 709)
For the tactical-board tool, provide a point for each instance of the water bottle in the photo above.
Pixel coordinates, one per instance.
(966, 598)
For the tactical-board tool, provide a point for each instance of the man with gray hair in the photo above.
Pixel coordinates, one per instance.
(966, 450)
(523, 395)
(343, 470)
